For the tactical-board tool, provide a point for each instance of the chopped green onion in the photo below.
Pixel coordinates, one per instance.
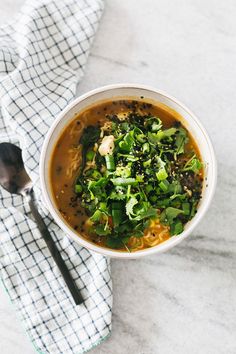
(124, 181)
(161, 174)
(110, 163)
(141, 138)
(164, 185)
(117, 213)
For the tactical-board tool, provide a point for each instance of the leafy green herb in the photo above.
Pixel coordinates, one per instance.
(127, 143)
(169, 214)
(89, 137)
(193, 164)
(102, 230)
(181, 140)
(145, 176)
(176, 228)
(154, 123)
(139, 210)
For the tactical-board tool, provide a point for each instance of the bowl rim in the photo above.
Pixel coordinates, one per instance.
(106, 251)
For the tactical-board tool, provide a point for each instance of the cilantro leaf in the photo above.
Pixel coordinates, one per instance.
(176, 228)
(143, 209)
(194, 164)
(169, 214)
(130, 206)
(127, 143)
(181, 140)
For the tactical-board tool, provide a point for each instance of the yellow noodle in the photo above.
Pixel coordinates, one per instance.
(153, 235)
(75, 157)
(136, 243)
(76, 129)
(75, 160)
(90, 164)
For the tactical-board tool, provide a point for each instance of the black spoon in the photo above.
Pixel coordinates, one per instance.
(14, 178)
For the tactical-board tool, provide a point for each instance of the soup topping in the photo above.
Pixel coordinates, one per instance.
(136, 178)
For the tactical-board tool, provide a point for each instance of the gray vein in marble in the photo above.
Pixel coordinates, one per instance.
(113, 61)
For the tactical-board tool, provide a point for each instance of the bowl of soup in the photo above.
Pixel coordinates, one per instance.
(127, 171)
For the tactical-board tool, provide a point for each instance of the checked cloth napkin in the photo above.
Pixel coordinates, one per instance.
(42, 56)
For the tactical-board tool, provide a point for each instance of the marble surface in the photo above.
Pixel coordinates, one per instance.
(183, 301)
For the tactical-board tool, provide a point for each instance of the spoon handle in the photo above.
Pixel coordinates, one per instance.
(54, 252)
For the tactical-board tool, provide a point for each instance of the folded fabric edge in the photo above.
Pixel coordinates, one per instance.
(96, 344)
(19, 317)
(38, 350)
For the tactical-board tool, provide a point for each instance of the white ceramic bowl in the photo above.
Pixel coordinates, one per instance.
(189, 120)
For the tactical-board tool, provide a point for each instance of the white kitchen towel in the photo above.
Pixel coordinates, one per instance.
(42, 57)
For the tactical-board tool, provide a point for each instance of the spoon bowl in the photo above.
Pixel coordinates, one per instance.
(13, 176)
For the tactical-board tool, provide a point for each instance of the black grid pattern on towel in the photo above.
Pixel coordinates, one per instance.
(42, 56)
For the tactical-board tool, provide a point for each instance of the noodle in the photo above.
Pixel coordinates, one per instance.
(78, 126)
(76, 129)
(90, 164)
(136, 243)
(75, 157)
(75, 152)
(74, 160)
(153, 235)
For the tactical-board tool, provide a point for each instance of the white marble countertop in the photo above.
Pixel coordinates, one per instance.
(183, 301)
